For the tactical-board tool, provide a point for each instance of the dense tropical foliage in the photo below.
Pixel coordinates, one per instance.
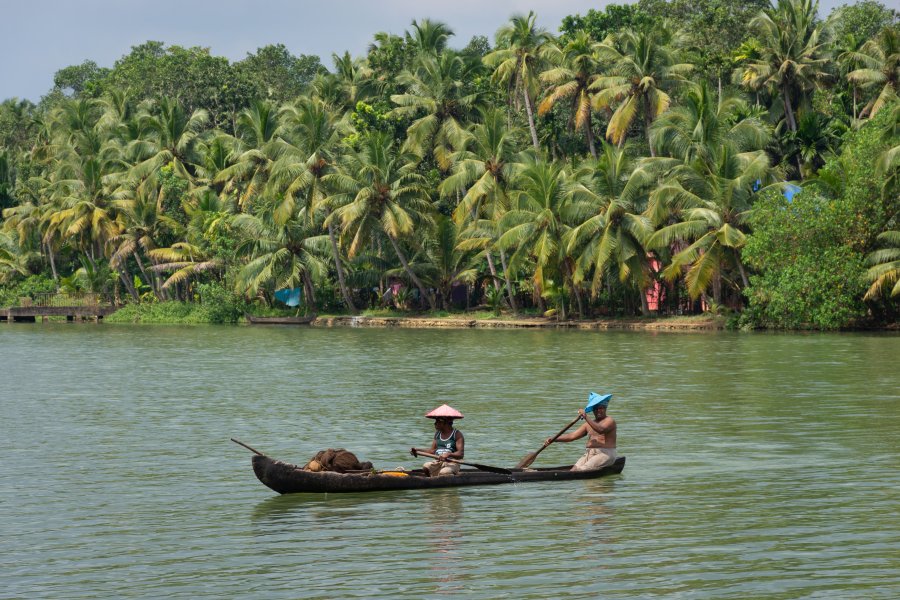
(664, 156)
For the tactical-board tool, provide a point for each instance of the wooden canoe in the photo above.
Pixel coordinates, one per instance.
(286, 478)
(280, 320)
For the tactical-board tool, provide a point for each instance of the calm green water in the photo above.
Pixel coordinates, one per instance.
(759, 466)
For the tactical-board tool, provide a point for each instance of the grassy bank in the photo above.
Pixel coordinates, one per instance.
(198, 314)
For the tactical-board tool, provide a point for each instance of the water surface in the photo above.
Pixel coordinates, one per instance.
(759, 466)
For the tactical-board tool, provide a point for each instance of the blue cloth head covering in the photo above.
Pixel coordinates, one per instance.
(596, 400)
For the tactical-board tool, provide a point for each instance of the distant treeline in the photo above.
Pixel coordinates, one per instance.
(665, 156)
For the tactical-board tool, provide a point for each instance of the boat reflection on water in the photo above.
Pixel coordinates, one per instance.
(594, 495)
(340, 507)
(444, 536)
(595, 499)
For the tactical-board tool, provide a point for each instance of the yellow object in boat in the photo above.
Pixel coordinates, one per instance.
(395, 473)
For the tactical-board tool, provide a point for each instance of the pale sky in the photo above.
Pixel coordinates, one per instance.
(39, 37)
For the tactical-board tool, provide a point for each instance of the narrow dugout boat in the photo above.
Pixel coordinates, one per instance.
(286, 478)
(280, 320)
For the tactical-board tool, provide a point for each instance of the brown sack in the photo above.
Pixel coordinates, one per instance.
(337, 460)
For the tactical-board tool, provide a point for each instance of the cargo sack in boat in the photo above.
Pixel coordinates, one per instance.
(337, 460)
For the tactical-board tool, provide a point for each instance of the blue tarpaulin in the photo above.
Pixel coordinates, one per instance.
(290, 296)
(790, 190)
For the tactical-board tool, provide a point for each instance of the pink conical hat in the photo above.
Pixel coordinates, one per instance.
(445, 411)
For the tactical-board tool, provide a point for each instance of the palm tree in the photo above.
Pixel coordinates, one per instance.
(705, 191)
(254, 147)
(643, 68)
(793, 53)
(215, 153)
(749, 52)
(879, 61)
(281, 255)
(437, 88)
(142, 223)
(517, 62)
(201, 248)
(429, 37)
(80, 199)
(377, 191)
(536, 224)
(711, 204)
(122, 124)
(610, 231)
(22, 225)
(889, 161)
(703, 124)
(448, 263)
(483, 170)
(186, 260)
(817, 137)
(885, 270)
(576, 68)
(846, 49)
(14, 258)
(309, 152)
(172, 134)
(353, 79)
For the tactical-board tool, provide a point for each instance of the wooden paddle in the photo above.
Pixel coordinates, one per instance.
(247, 447)
(477, 466)
(526, 462)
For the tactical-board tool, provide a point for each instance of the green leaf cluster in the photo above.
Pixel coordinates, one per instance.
(809, 277)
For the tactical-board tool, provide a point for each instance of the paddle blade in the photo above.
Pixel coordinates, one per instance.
(526, 462)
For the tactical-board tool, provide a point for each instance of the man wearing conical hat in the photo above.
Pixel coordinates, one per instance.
(447, 442)
(600, 431)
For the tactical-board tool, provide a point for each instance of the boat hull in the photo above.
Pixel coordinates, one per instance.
(286, 478)
(280, 320)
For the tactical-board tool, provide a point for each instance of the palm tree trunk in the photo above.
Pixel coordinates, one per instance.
(310, 292)
(348, 300)
(509, 291)
(493, 270)
(151, 279)
(538, 297)
(411, 274)
(52, 261)
(717, 289)
(578, 300)
(129, 284)
(645, 306)
(719, 80)
(649, 121)
(788, 111)
(529, 110)
(590, 137)
(744, 278)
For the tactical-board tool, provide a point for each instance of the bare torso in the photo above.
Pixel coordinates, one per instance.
(600, 431)
(604, 439)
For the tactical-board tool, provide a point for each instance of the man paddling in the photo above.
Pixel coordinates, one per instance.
(447, 442)
(601, 434)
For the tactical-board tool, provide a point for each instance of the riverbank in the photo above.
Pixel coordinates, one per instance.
(693, 323)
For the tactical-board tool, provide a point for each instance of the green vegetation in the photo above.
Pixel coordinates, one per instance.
(642, 152)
